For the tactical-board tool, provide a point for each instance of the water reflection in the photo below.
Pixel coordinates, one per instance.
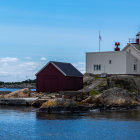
(61, 116)
(132, 115)
(24, 123)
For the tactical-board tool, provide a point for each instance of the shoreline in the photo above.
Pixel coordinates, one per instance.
(117, 92)
(28, 102)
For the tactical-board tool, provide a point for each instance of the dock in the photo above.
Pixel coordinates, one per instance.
(17, 101)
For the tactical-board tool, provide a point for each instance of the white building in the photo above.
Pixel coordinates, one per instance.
(126, 61)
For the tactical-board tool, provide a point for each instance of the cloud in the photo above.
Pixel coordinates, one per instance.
(80, 66)
(13, 69)
(43, 58)
(9, 59)
(27, 58)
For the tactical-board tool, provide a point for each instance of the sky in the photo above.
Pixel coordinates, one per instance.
(34, 32)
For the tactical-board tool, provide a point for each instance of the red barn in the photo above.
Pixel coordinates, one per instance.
(58, 76)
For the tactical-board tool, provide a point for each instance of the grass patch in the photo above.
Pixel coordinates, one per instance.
(98, 78)
(93, 92)
(132, 91)
(118, 86)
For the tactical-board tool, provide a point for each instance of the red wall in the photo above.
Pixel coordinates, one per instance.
(51, 79)
(73, 83)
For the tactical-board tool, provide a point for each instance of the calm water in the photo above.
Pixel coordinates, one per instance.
(12, 89)
(21, 123)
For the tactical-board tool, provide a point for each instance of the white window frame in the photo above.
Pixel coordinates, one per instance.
(97, 67)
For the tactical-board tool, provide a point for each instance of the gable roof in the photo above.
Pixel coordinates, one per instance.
(66, 69)
(134, 45)
(137, 46)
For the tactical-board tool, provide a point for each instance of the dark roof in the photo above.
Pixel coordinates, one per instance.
(67, 69)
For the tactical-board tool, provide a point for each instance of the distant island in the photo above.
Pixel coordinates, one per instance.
(23, 84)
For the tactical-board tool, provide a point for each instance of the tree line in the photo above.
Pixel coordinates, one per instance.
(22, 82)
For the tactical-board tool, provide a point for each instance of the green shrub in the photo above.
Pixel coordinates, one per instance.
(93, 92)
(118, 85)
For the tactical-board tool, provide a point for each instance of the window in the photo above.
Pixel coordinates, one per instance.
(135, 67)
(97, 67)
(110, 62)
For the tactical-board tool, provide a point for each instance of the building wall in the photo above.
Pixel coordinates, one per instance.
(50, 79)
(131, 61)
(73, 83)
(117, 66)
(133, 51)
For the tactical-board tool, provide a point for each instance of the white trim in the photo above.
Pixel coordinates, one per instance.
(53, 65)
(135, 48)
(58, 69)
(104, 52)
(131, 45)
(42, 68)
(126, 47)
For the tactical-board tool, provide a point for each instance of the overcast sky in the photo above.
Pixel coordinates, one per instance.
(33, 32)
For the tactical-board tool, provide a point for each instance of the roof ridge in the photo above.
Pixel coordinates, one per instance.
(66, 69)
(136, 47)
(59, 62)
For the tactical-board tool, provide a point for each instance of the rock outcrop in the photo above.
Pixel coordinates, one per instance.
(118, 96)
(89, 100)
(128, 82)
(93, 82)
(23, 93)
(114, 96)
(62, 105)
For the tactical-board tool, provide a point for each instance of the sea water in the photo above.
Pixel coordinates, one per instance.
(26, 123)
(13, 89)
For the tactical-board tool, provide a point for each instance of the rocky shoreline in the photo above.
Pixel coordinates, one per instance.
(119, 92)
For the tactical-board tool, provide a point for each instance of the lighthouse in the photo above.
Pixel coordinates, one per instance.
(125, 61)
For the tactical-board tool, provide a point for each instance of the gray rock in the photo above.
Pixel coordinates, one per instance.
(26, 92)
(129, 82)
(99, 84)
(117, 96)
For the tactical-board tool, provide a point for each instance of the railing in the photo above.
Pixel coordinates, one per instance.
(132, 40)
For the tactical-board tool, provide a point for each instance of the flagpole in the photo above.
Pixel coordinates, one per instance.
(99, 41)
